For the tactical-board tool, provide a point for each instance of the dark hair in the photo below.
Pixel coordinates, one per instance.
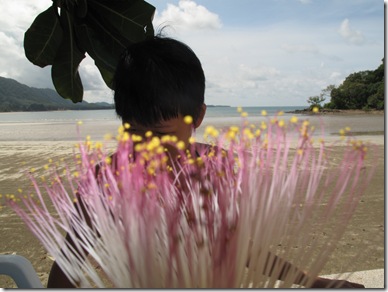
(158, 79)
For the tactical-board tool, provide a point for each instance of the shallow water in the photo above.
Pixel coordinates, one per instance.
(62, 126)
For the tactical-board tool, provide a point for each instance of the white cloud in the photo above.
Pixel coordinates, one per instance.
(335, 76)
(283, 65)
(311, 49)
(16, 18)
(188, 15)
(259, 73)
(276, 64)
(305, 1)
(18, 15)
(91, 77)
(350, 35)
(95, 89)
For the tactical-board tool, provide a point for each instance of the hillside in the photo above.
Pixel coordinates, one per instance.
(16, 97)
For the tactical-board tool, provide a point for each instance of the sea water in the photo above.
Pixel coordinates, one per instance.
(72, 116)
(62, 125)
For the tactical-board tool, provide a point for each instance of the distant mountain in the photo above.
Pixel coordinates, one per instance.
(17, 97)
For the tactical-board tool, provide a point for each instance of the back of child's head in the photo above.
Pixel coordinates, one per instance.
(158, 79)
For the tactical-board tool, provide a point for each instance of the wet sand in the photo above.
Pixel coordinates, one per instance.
(361, 248)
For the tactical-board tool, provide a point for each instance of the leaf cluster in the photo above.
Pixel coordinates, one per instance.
(315, 101)
(63, 34)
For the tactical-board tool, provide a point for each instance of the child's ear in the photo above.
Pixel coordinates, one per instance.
(202, 113)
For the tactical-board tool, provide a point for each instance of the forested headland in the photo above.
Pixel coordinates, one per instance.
(362, 90)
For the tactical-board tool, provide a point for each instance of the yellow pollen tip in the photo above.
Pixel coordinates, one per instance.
(165, 138)
(211, 131)
(294, 119)
(139, 147)
(125, 137)
(180, 145)
(188, 120)
(136, 138)
(234, 128)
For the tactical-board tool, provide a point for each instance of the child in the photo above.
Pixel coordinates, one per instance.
(157, 83)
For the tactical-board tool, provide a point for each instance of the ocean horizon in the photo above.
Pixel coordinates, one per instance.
(70, 116)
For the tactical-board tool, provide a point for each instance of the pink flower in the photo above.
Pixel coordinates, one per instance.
(214, 221)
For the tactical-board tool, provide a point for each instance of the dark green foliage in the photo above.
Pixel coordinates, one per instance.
(315, 101)
(15, 96)
(101, 28)
(360, 90)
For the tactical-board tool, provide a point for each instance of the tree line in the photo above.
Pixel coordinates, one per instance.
(361, 90)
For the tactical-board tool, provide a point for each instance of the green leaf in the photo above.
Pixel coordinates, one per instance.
(113, 43)
(42, 39)
(64, 71)
(105, 61)
(130, 19)
(106, 74)
(102, 28)
(81, 8)
(110, 27)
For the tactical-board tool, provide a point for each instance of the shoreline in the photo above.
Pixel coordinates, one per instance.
(338, 112)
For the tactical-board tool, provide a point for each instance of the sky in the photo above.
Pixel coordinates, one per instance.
(253, 52)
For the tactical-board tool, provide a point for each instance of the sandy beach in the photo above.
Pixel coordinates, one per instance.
(22, 148)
